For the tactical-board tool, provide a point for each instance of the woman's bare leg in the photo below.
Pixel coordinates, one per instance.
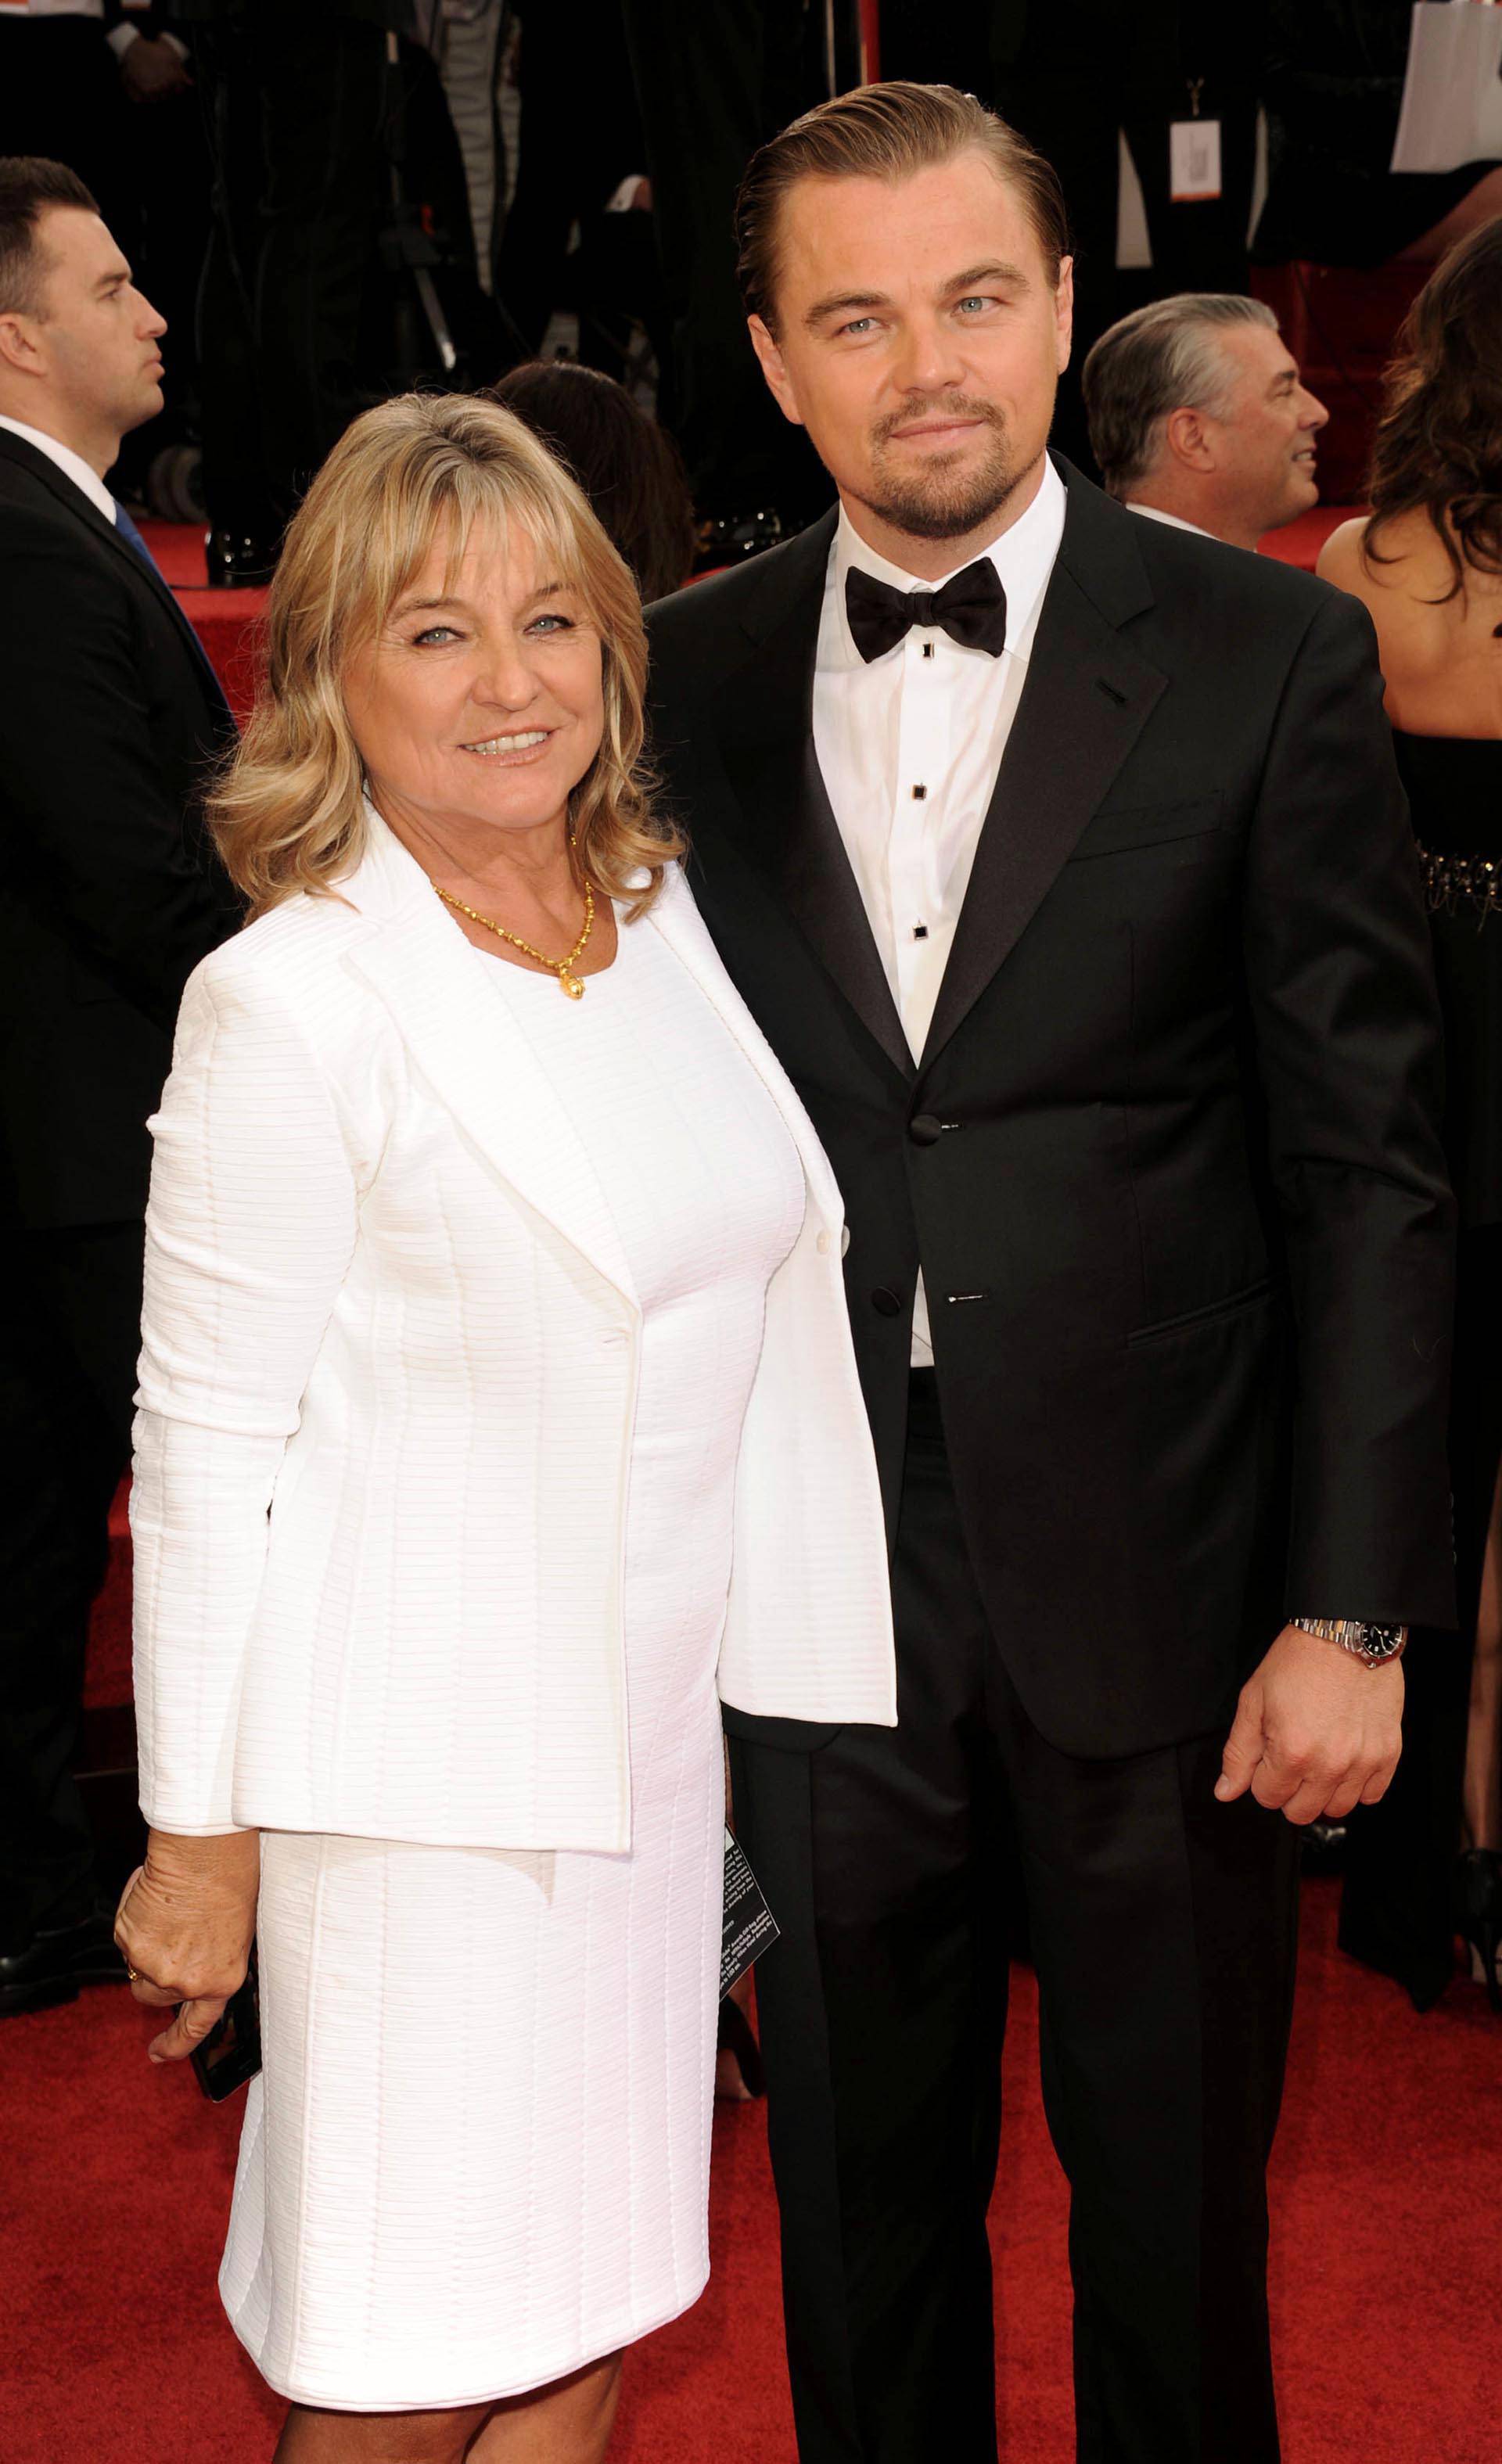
(566, 2422)
(313, 2436)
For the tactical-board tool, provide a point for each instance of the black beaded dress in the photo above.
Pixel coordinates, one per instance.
(1396, 1909)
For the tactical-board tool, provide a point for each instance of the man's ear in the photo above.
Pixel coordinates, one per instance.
(774, 369)
(19, 346)
(1187, 441)
(1064, 311)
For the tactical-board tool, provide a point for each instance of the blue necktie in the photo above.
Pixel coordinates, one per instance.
(133, 539)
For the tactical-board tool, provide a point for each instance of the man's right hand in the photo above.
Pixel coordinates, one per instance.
(185, 1925)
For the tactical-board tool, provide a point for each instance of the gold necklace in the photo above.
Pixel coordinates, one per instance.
(561, 968)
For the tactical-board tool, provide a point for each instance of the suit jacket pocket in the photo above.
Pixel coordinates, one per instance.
(1117, 829)
(1209, 1313)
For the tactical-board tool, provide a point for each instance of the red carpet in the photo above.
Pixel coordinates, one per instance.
(223, 620)
(115, 2183)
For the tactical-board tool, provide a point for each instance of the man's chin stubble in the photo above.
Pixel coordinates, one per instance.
(931, 513)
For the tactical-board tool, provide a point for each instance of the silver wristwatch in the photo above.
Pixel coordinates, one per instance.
(1375, 1645)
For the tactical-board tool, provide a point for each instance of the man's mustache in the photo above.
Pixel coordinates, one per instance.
(953, 406)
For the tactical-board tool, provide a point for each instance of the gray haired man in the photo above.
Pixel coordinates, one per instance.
(1197, 416)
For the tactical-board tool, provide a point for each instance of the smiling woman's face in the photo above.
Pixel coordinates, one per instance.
(480, 704)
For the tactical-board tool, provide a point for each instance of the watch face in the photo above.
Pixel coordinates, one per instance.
(1382, 1642)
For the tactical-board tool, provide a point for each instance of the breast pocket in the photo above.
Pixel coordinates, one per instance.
(1209, 1313)
(1121, 829)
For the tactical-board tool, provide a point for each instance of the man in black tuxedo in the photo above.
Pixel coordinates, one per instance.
(1062, 857)
(109, 714)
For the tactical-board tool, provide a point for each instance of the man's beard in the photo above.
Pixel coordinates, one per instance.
(941, 502)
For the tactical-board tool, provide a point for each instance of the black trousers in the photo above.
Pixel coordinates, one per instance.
(1162, 1928)
(295, 118)
(72, 1331)
(714, 83)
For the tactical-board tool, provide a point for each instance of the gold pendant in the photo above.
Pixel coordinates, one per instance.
(571, 984)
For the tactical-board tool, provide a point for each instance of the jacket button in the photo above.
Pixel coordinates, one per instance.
(924, 1130)
(885, 1303)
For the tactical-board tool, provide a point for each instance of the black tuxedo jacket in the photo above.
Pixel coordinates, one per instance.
(1170, 1164)
(108, 722)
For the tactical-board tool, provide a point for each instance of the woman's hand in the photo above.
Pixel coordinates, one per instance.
(185, 1924)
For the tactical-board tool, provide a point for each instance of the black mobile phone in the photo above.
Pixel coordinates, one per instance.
(230, 2054)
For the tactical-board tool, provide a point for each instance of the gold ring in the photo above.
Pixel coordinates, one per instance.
(133, 1974)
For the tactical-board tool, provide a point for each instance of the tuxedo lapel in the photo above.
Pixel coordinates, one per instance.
(1086, 699)
(787, 824)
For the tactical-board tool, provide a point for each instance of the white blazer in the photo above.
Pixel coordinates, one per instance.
(385, 1408)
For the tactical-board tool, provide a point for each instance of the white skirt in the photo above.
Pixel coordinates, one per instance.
(477, 2157)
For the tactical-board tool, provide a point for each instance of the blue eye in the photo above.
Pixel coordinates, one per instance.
(431, 633)
(856, 323)
(976, 300)
(565, 623)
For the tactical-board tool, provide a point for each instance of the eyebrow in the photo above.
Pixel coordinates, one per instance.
(994, 270)
(425, 606)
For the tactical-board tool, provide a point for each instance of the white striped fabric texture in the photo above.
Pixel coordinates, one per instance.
(387, 1385)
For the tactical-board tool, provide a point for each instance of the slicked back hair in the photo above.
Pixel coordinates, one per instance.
(29, 184)
(885, 132)
(1165, 357)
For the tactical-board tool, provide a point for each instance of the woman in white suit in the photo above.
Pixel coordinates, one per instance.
(498, 1407)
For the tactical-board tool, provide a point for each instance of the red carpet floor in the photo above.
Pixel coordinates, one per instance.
(1386, 2272)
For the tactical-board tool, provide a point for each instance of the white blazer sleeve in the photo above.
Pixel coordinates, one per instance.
(250, 1230)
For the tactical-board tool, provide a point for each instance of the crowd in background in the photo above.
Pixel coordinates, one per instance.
(331, 199)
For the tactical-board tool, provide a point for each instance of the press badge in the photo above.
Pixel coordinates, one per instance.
(1194, 160)
(750, 1925)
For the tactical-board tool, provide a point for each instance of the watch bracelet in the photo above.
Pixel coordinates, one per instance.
(1345, 1631)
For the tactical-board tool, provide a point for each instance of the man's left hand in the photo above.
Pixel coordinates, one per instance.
(1316, 1731)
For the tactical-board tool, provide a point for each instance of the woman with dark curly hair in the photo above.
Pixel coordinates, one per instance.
(1427, 564)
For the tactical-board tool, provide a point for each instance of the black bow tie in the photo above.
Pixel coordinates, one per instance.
(971, 608)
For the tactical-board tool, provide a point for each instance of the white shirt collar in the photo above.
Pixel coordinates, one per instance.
(1024, 557)
(1175, 521)
(73, 466)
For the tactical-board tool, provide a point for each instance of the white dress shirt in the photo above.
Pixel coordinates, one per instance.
(73, 466)
(909, 746)
(1175, 521)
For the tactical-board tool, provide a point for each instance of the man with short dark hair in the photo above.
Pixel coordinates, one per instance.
(1198, 416)
(1027, 830)
(109, 717)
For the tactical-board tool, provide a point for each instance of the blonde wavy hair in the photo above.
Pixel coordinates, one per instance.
(287, 812)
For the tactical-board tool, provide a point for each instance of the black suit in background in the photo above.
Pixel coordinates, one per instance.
(296, 98)
(108, 718)
(1171, 1173)
(713, 82)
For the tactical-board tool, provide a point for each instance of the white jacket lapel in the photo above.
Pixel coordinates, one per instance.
(676, 918)
(475, 1054)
